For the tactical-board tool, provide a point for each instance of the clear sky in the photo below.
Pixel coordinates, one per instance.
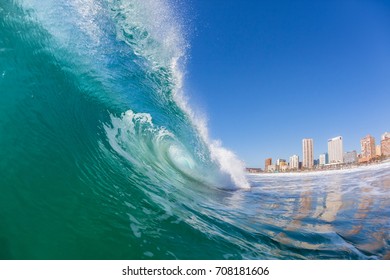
(270, 73)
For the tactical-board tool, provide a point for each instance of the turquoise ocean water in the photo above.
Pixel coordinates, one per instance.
(102, 157)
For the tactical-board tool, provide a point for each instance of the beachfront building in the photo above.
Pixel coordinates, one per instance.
(281, 164)
(350, 157)
(283, 168)
(323, 159)
(253, 170)
(367, 145)
(271, 168)
(308, 153)
(385, 144)
(294, 162)
(335, 150)
(268, 162)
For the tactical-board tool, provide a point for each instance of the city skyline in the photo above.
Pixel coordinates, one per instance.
(289, 70)
(337, 146)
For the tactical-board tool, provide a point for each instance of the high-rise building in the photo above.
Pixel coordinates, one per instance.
(294, 162)
(350, 157)
(335, 150)
(308, 153)
(323, 158)
(268, 162)
(385, 144)
(367, 145)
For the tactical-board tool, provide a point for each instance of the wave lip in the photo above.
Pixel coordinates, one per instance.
(154, 33)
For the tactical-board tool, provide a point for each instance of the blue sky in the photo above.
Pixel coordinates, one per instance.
(270, 73)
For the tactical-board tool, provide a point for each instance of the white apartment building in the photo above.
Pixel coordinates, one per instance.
(335, 150)
(308, 153)
(294, 162)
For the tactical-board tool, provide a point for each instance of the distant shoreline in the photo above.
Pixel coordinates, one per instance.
(339, 168)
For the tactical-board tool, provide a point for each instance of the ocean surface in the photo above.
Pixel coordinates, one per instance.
(103, 157)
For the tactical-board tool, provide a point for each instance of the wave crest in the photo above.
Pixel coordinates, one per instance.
(135, 53)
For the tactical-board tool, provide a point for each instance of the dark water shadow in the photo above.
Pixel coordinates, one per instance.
(5, 252)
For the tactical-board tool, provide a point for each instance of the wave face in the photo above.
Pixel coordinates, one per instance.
(101, 156)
